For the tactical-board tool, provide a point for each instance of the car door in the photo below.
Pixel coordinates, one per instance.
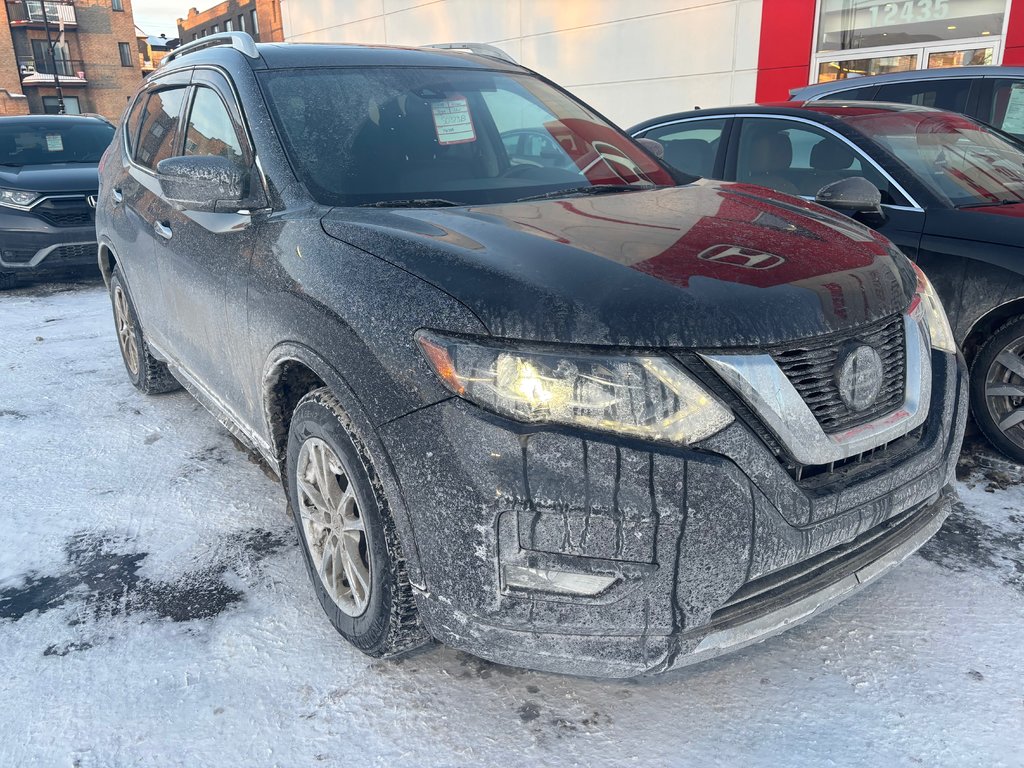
(139, 193)
(799, 157)
(695, 145)
(204, 251)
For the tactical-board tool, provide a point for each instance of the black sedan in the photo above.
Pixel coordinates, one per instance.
(950, 194)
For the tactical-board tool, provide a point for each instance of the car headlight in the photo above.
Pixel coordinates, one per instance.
(648, 397)
(15, 198)
(927, 309)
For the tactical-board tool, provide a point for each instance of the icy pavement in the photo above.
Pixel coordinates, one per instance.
(154, 610)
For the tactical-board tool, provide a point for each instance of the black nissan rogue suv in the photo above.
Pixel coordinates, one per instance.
(48, 185)
(570, 411)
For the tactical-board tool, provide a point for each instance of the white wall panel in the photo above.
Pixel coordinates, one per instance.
(633, 58)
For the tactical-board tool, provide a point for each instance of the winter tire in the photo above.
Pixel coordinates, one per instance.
(997, 389)
(148, 374)
(7, 280)
(347, 535)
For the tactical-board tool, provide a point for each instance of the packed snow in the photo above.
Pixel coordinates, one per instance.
(155, 610)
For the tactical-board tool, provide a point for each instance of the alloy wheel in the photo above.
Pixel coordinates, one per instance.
(1004, 391)
(126, 331)
(333, 526)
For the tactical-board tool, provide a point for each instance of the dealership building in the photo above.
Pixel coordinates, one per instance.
(633, 59)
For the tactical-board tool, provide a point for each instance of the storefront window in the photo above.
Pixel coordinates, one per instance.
(856, 38)
(844, 25)
(840, 70)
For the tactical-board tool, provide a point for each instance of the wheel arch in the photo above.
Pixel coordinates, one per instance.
(985, 325)
(293, 370)
(107, 261)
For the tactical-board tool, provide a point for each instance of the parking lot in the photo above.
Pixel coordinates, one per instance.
(154, 609)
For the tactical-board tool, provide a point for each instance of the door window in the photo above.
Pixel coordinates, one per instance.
(692, 146)
(210, 130)
(948, 93)
(800, 159)
(1004, 107)
(159, 127)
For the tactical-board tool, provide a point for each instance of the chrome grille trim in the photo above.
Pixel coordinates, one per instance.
(763, 385)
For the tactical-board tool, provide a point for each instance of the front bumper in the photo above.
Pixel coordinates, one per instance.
(708, 549)
(29, 244)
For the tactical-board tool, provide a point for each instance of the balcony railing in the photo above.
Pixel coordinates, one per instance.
(30, 13)
(41, 71)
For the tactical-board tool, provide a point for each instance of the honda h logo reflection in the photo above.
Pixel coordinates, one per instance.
(91, 200)
(737, 256)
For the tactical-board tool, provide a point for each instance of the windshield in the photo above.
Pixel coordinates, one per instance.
(359, 136)
(958, 159)
(48, 143)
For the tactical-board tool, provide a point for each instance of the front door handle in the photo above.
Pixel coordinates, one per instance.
(163, 230)
(118, 197)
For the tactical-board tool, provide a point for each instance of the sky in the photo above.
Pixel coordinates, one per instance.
(156, 16)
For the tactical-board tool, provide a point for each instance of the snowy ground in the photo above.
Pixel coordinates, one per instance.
(154, 610)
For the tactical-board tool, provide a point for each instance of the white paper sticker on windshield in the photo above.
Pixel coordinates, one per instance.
(452, 121)
(1013, 121)
(54, 142)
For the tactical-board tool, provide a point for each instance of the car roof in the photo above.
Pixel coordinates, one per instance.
(318, 55)
(819, 89)
(823, 111)
(48, 119)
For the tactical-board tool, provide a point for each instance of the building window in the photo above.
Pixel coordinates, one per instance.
(255, 22)
(125, 49)
(214, 29)
(117, 5)
(868, 37)
(241, 22)
(228, 25)
(52, 107)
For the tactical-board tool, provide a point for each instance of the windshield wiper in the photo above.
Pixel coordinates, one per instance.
(991, 203)
(423, 202)
(596, 189)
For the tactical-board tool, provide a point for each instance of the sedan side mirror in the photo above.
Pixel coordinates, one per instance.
(856, 197)
(656, 148)
(201, 181)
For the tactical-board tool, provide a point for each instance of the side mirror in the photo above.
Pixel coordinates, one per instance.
(201, 181)
(856, 197)
(656, 148)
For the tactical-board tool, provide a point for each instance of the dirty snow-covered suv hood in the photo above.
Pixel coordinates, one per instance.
(706, 265)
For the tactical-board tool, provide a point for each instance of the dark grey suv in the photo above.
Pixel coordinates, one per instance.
(575, 413)
(48, 186)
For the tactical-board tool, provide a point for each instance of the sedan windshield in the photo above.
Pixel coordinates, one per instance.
(49, 143)
(444, 136)
(958, 159)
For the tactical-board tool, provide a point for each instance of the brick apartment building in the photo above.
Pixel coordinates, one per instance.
(94, 59)
(260, 18)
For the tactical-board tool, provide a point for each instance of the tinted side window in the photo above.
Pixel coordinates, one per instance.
(1005, 108)
(210, 130)
(948, 94)
(159, 124)
(865, 93)
(131, 125)
(691, 146)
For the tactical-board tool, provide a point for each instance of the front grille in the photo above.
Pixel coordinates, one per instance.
(65, 212)
(776, 590)
(811, 365)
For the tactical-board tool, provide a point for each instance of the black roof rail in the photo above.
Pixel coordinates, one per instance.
(240, 41)
(481, 49)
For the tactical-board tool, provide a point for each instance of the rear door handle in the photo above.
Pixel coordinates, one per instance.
(163, 230)
(118, 197)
